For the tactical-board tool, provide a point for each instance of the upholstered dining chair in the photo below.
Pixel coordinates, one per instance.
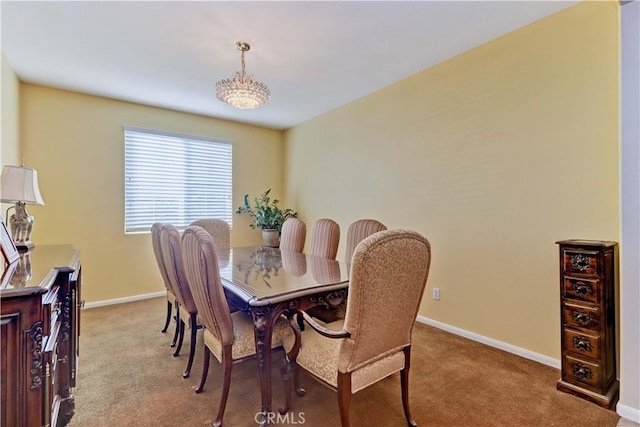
(229, 336)
(325, 236)
(221, 233)
(187, 312)
(218, 229)
(387, 280)
(171, 297)
(358, 231)
(293, 235)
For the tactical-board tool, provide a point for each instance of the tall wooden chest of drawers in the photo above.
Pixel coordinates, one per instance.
(588, 284)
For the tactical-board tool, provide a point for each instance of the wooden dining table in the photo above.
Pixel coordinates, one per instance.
(267, 283)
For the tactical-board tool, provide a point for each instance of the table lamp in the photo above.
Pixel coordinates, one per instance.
(19, 185)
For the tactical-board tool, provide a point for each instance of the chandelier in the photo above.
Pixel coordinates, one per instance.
(242, 91)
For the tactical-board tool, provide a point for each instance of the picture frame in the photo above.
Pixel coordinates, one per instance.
(9, 250)
(7, 275)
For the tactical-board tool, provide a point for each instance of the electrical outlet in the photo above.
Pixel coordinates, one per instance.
(436, 294)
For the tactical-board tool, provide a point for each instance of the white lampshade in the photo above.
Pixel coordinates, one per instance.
(20, 184)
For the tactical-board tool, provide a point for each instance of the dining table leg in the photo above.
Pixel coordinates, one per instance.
(263, 319)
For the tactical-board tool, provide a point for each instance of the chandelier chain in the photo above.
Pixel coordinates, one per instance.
(242, 62)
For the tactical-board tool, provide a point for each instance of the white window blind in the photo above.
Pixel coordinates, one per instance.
(175, 179)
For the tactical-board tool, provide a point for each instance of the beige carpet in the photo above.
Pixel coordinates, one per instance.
(128, 377)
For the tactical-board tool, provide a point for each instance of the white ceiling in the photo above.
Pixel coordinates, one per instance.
(314, 56)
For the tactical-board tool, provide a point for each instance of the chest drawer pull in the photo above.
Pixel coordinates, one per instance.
(582, 372)
(582, 343)
(583, 318)
(582, 289)
(579, 262)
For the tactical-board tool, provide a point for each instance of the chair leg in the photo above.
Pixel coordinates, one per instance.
(192, 344)
(205, 369)
(344, 397)
(404, 383)
(227, 364)
(177, 331)
(300, 392)
(286, 371)
(180, 338)
(166, 323)
(295, 319)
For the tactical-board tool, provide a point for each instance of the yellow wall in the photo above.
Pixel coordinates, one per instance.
(76, 143)
(10, 121)
(9, 112)
(494, 155)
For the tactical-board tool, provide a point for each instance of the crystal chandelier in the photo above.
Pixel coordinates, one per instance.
(242, 91)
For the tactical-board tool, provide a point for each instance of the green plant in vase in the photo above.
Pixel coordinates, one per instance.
(267, 215)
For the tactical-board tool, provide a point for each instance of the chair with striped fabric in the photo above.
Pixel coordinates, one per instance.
(218, 229)
(229, 336)
(358, 231)
(188, 314)
(325, 236)
(292, 235)
(171, 297)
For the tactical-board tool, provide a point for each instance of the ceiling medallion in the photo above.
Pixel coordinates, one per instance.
(242, 91)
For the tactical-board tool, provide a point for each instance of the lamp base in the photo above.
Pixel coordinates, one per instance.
(24, 246)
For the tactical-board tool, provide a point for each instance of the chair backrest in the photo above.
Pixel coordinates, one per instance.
(325, 236)
(172, 255)
(358, 231)
(292, 235)
(201, 265)
(388, 276)
(156, 230)
(218, 229)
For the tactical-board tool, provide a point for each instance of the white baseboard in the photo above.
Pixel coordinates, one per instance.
(628, 413)
(527, 354)
(125, 299)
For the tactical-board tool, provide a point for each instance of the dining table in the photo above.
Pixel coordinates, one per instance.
(267, 282)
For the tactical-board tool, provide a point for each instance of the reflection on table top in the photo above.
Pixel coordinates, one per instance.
(262, 275)
(34, 267)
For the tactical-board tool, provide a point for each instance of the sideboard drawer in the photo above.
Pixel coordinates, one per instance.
(581, 343)
(580, 261)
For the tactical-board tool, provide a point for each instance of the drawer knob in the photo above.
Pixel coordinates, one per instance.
(583, 318)
(582, 343)
(582, 289)
(579, 262)
(582, 372)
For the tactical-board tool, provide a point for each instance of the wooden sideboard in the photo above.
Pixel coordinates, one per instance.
(588, 284)
(40, 327)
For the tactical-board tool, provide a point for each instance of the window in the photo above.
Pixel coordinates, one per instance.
(174, 179)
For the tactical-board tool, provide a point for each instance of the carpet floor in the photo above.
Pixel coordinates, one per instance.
(128, 377)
